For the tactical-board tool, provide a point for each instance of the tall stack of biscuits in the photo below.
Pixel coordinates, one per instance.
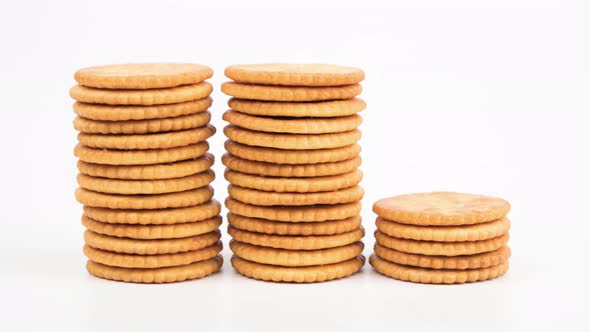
(145, 172)
(441, 237)
(292, 164)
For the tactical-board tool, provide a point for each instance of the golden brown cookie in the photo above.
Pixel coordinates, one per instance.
(294, 242)
(328, 227)
(290, 93)
(147, 141)
(142, 126)
(159, 275)
(313, 213)
(431, 276)
(287, 170)
(293, 125)
(102, 112)
(148, 202)
(140, 157)
(320, 109)
(295, 74)
(142, 75)
(269, 198)
(441, 209)
(292, 141)
(174, 95)
(284, 257)
(477, 261)
(306, 274)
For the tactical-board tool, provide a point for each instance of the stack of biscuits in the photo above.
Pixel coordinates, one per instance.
(292, 165)
(441, 237)
(145, 172)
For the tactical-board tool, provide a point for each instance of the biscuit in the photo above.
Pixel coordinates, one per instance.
(320, 109)
(188, 214)
(431, 276)
(141, 157)
(290, 93)
(441, 209)
(174, 95)
(477, 261)
(268, 198)
(142, 75)
(474, 232)
(152, 232)
(148, 172)
(147, 141)
(295, 258)
(150, 247)
(329, 227)
(293, 125)
(293, 242)
(287, 170)
(133, 187)
(314, 213)
(148, 202)
(300, 185)
(295, 74)
(294, 157)
(441, 248)
(102, 112)
(292, 141)
(297, 274)
(151, 261)
(142, 126)
(159, 275)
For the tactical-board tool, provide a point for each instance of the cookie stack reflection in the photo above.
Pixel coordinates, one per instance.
(145, 172)
(293, 167)
(441, 237)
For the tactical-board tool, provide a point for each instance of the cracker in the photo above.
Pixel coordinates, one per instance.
(294, 242)
(149, 172)
(152, 232)
(150, 247)
(151, 261)
(142, 126)
(295, 74)
(431, 276)
(293, 258)
(147, 141)
(306, 274)
(441, 209)
(268, 198)
(141, 157)
(293, 157)
(292, 141)
(287, 170)
(159, 275)
(102, 112)
(300, 185)
(441, 248)
(474, 232)
(174, 95)
(290, 93)
(142, 75)
(293, 125)
(478, 261)
(188, 214)
(148, 202)
(329, 227)
(313, 213)
(319, 109)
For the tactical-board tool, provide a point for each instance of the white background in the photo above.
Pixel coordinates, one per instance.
(487, 97)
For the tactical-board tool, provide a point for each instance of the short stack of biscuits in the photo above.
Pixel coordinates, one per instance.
(292, 164)
(441, 237)
(145, 172)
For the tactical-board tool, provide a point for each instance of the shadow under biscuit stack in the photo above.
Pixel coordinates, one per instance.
(292, 164)
(145, 172)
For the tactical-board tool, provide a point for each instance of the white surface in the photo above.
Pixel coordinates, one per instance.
(487, 97)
